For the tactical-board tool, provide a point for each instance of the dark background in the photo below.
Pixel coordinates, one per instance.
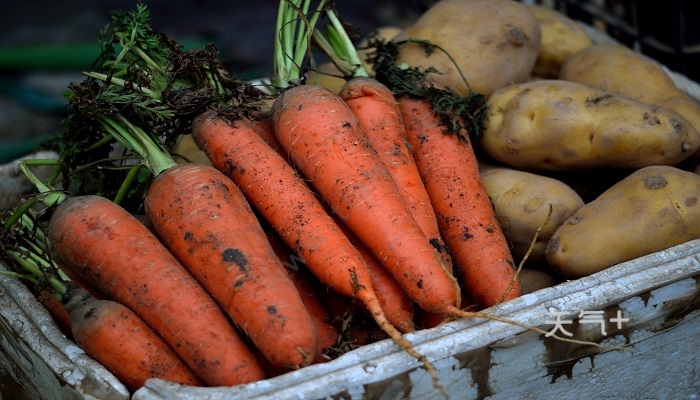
(31, 100)
(31, 95)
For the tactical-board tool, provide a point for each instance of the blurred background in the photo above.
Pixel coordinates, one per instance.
(44, 45)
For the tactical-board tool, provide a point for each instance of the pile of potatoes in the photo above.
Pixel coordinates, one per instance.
(589, 150)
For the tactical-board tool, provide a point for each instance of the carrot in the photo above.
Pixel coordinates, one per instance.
(390, 294)
(305, 283)
(113, 251)
(287, 203)
(326, 142)
(468, 224)
(107, 331)
(121, 341)
(208, 224)
(376, 108)
(57, 310)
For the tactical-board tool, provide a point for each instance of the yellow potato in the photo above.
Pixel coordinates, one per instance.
(186, 150)
(650, 210)
(328, 76)
(532, 280)
(561, 37)
(565, 126)
(618, 69)
(493, 42)
(522, 203)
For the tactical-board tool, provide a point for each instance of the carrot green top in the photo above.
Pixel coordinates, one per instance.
(142, 93)
(295, 26)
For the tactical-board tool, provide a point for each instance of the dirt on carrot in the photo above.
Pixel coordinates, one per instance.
(113, 251)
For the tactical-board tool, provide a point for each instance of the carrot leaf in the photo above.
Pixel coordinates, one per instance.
(462, 115)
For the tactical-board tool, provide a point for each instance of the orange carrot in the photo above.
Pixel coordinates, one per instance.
(117, 254)
(389, 293)
(205, 220)
(449, 170)
(326, 142)
(57, 310)
(288, 204)
(264, 129)
(304, 281)
(107, 331)
(378, 112)
(121, 341)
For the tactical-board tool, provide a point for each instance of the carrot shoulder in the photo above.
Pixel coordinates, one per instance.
(378, 111)
(117, 254)
(467, 221)
(326, 142)
(205, 220)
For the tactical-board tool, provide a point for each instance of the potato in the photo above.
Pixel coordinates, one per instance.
(493, 42)
(186, 150)
(561, 37)
(532, 280)
(522, 203)
(618, 69)
(650, 210)
(565, 126)
(328, 76)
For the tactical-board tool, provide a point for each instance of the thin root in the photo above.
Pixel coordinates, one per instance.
(476, 314)
(527, 254)
(397, 337)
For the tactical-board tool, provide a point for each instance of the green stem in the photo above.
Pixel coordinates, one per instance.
(338, 46)
(291, 47)
(122, 83)
(19, 212)
(48, 196)
(13, 274)
(124, 188)
(153, 155)
(149, 61)
(28, 262)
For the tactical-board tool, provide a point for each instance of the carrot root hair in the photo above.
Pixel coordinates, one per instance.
(372, 303)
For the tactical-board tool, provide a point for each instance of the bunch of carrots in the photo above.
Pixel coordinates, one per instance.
(325, 222)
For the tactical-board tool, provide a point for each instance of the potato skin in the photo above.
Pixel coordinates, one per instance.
(555, 125)
(493, 42)
(521, 201)
(561, 37)
(650, 210)
(532, 280)
(620, 70)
